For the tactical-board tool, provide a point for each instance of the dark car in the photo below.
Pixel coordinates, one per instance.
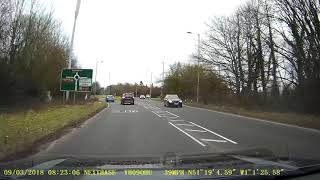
(172, 100)
(110, 98)
(127, 98)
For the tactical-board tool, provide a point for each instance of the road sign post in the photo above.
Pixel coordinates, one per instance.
(76, 80)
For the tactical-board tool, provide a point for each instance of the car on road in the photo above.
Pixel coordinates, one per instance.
(172, 100)
(110, 98)
(148, 96)
(127, 98)
(142, 96)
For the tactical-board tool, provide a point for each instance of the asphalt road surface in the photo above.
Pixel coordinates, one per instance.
(149, 128)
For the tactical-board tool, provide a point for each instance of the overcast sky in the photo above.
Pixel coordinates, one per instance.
(133, 37)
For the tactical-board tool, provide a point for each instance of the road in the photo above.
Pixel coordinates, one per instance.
(149, 129)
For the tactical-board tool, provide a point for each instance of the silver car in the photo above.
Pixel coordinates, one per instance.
(172, 100)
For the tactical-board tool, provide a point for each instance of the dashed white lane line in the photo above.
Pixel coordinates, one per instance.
(195, 130)
(184, 124)
(180, 120)
(213, 140)
(188, 135)
(214, 133)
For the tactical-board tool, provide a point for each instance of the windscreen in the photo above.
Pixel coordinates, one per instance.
(128, 95)
(216, 78)
(172, 97)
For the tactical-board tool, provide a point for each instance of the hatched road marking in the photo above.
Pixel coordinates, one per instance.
(184, 124)
(213, 140)
(214, 133)
(188, 135)
(172, 118)
(195, 130)
(180, 120)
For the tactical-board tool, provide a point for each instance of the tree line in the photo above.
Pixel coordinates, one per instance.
(137, 89)
(182, 79)
(33, 50)
(268, 53)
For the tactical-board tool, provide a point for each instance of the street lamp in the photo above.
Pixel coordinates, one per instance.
(72, 38)
(109, 83)
(151, 86)
(150, 81)
(198, 71)
(95, 84)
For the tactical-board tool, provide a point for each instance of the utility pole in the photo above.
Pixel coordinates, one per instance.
(109, 84)
(72, 38)
(136, 90)
(95, 84)
(198, 83)
(95, 79)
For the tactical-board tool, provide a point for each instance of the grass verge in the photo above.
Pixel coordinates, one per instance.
(303, 120)
(99, 96)
(19, 132)
(117, 98)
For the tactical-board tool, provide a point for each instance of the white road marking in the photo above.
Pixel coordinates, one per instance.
(214, 133)
(184, 124)
(213, 140)
(194, 130)
(188, 135)
(257, 119)
(172, 114)
(176, 120)
(156, 114)
(130, 111)
(170, 117)
(161, 114)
